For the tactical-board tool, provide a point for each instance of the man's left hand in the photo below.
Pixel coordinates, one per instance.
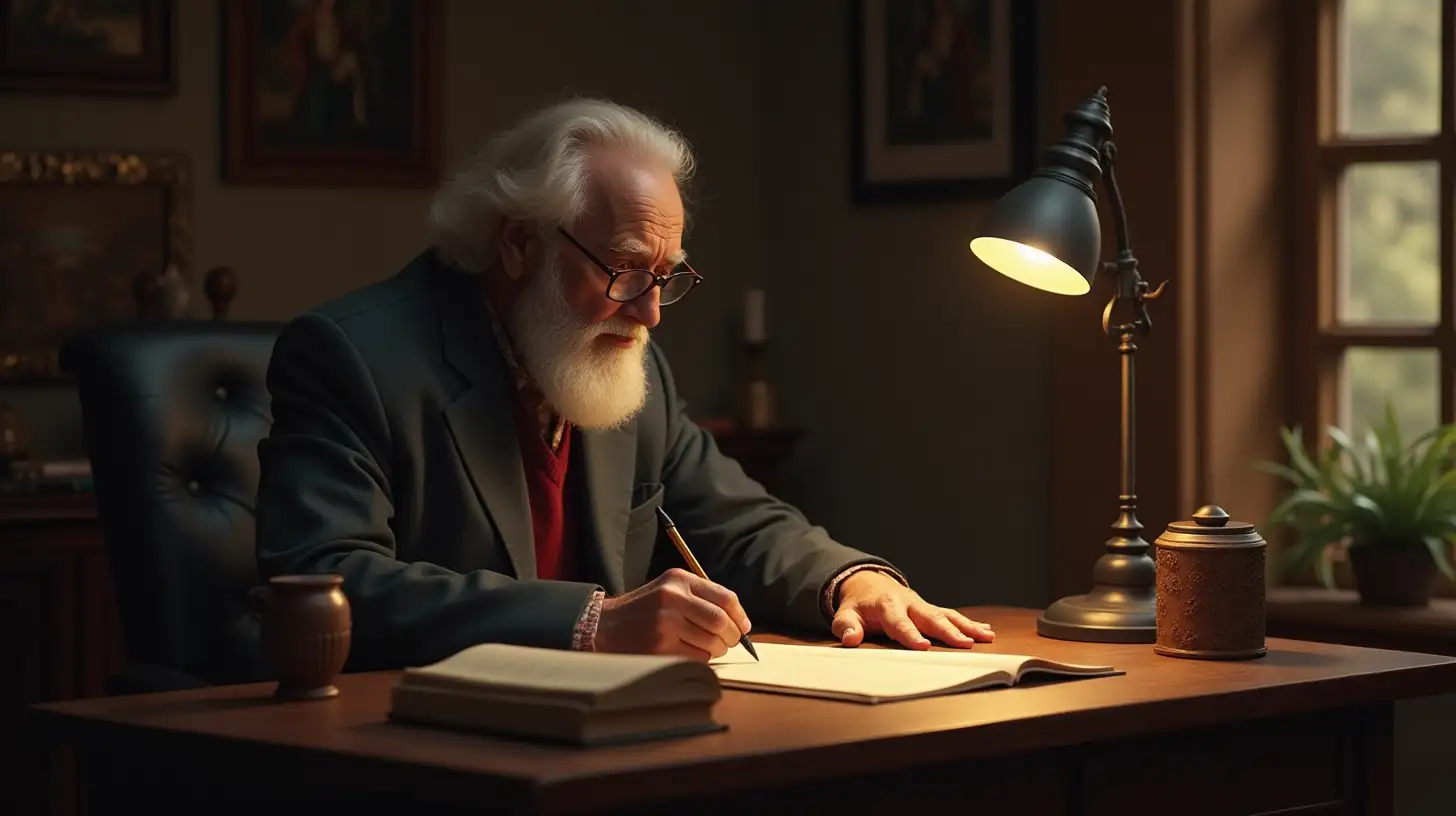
(871, 601)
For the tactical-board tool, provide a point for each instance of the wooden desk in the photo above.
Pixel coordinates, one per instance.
(1308, 726)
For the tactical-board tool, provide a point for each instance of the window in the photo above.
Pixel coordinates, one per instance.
(1376, 280)
(1375, 158)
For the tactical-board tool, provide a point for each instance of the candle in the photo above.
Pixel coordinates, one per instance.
(754, 330)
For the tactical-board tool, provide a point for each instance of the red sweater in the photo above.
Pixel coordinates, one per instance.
(553, 517)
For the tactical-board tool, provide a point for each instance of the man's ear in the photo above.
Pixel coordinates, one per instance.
(515, 246)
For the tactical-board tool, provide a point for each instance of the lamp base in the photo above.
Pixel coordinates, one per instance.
(1104, 615)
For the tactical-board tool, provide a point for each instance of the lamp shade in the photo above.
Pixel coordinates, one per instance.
(1045, 233)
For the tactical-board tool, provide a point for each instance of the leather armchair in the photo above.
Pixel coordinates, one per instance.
(172, 413)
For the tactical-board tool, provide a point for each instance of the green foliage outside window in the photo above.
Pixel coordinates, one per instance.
(1391, 58)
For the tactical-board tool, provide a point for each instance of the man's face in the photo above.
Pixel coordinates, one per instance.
(634, 221)
(585, 351)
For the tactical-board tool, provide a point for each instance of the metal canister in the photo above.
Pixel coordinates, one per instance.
(1211, 588)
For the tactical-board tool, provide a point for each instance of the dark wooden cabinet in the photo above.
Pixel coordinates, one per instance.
(58, 632)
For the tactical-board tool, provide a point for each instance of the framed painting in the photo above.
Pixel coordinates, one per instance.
(87, 46)
(332, 92)
(77, 233)
(944, 99)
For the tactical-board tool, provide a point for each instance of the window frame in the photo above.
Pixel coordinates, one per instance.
(1320, 157)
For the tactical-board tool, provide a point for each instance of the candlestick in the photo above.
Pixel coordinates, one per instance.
(757, 410)
(754, 326)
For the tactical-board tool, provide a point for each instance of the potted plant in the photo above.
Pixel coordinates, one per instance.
(1388, 504)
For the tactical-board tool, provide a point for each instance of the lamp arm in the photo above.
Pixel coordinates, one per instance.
(1114, 192)
(1130, 284)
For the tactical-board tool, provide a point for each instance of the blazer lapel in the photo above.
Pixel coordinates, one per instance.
(608, 457)
(480, 420)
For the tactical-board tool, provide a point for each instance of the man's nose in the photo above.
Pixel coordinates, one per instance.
(646, 309)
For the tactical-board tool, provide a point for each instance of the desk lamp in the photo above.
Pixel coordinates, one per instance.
(1045, 234)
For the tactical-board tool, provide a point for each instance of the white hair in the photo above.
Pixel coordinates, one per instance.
(537, 171)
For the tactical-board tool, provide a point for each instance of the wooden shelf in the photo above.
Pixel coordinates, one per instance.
(1337, 616)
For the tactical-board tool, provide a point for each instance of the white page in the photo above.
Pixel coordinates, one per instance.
(977, 662)
(545, 670)
(806, 669)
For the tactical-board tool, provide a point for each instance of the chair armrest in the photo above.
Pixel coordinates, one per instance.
(146, 678)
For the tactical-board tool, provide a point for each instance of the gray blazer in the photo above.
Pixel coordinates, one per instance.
(393, 461)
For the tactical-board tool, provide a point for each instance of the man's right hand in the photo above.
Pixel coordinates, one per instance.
(675, 613)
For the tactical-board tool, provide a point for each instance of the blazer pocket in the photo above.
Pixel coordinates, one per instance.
(646, 498)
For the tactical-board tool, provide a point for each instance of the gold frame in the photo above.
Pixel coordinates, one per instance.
(170, 171)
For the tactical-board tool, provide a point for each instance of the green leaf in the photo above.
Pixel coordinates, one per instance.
(1325, 569)
(1310, 549)
(1351, 452)
(1282, 471)
(1302, 499)
(1297, 457)
(1382, 491)
(1439, 551)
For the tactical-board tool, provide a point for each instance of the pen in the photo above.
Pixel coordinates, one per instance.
(687, 554)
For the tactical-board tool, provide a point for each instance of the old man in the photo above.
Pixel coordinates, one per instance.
(478, 444)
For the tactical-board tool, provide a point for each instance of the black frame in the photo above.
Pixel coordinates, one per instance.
(658, 281)
(1024, 83)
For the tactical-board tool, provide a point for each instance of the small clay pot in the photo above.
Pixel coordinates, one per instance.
(307, 627)
(1393, 576)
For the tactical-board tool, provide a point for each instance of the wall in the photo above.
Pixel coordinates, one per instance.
(946, 381)
(296, 247)
(922, 378)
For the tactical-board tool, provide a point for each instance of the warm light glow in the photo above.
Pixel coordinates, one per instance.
(1030, 266)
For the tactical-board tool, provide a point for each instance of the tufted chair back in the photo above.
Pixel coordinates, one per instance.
(172, 413)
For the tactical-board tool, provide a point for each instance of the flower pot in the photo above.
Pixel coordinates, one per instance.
(1393, 576)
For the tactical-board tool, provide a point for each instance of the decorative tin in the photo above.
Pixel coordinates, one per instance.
(1210, 588)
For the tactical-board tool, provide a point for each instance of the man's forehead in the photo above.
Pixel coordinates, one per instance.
(626, 244)
(640, 204)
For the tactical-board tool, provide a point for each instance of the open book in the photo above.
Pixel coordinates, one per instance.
(561, 696)
(881, 675)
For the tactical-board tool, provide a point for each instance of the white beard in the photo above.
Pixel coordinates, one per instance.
(590, 385)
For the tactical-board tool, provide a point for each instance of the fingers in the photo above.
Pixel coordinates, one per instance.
(849, 627)
(710, 619)
(681, 636)
(976, 629)
(688, 650)
(706, 612)
(934, 621)
(721, 597)
(897, 624)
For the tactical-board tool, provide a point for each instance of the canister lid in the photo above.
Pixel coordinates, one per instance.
(1211, 526)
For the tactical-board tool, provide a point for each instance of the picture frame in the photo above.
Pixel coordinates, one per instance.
(109, 48)
(336, 94)
(943, 98)
(78, 233)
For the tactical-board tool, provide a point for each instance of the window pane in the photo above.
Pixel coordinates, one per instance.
(1390, 72)
(1390, 270)
(1406, 377)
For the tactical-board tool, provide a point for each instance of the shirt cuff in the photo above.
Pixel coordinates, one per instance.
(584, 637)
(829, 602)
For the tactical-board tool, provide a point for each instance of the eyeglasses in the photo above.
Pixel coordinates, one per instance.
(626, 285)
